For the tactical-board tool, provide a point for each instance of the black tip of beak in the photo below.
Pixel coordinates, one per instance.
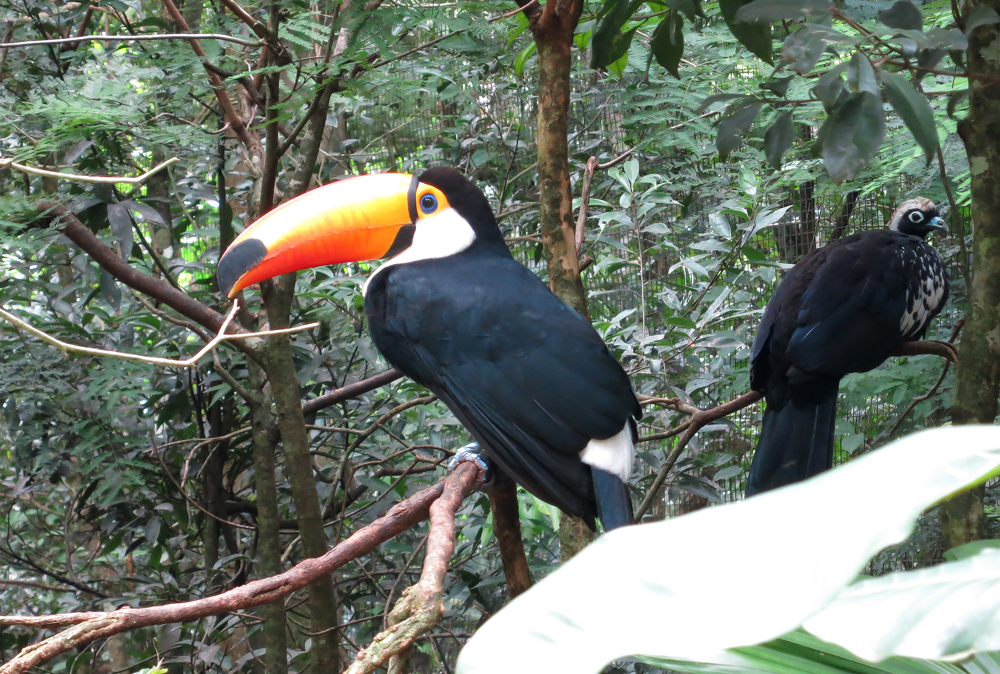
(237, 261)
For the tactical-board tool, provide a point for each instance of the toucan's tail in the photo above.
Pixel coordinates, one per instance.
(796, 439)
(614, 505)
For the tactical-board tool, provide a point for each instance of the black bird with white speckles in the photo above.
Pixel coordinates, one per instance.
(843, 308)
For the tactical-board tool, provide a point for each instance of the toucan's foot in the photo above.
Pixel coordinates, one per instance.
(473, 453)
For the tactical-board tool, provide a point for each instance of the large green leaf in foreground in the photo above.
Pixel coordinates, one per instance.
(772, 562)
(802, 653)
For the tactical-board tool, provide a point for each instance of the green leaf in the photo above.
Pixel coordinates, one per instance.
(770, 11)
(609, 43)
(121, 227)
(734, 126)
(652, 577)
(914, 109)
(715, 98)
(778, 139)
(778, 86)
(956, 98)
(861, 75)
(830, 86)
(803, 49)
(690, 8)
(969, 549)
(667, 43)
(523, 57)
(756, 38)
(852, 134)
(930, 613)
(981, 15)
(903, 15)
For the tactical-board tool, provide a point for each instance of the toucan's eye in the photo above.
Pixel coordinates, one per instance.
(916, 217)
(428, 203)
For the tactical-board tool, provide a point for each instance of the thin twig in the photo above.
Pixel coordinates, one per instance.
(75, 177)
(134, 38)
(698, 420)
(152, 360)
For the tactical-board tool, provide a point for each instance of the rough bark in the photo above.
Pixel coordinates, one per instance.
(279, 365)
(275, 655)
(977, 383)
(507, 529)
(552, 26)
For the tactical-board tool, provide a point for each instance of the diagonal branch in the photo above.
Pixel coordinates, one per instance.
(699, 419)
(106, 180)
(67, 347)
(421, 606)
(111, 262)
(251, 142)
(89, 626)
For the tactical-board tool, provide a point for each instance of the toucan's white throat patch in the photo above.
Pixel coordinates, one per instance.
(435, 236)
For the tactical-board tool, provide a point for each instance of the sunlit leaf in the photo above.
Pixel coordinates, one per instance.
(913, 107)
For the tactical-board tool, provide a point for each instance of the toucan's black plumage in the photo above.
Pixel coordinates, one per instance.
(527, 375)
(843, 308)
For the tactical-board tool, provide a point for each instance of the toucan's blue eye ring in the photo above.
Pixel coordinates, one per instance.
(428, 203)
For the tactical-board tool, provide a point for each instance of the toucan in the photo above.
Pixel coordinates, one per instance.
(527, 376)
(842, 308)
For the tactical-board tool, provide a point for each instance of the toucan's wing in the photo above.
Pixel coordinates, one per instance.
(527, 375)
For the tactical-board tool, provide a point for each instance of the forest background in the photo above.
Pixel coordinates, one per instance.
(130, 483)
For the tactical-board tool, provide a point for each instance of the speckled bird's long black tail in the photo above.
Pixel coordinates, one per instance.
(796, 439)
(614, 505)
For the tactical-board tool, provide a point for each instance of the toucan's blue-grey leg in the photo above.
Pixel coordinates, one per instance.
(476, 454)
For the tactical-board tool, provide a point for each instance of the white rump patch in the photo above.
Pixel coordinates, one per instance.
(439, 235)
(614, 455)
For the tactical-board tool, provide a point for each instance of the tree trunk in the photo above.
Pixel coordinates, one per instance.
(279, 365)
(977, 383)
(552, 26)
(268, 522)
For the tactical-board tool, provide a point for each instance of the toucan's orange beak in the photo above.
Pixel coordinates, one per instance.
(362, 218)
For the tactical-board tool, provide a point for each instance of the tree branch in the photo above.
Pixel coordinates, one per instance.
(251, 142)
(75, 177)
(158, 289)
(929, 347)
(699, 419)
(350, 391)
(421, 607)
(96, 625)
(66, 347)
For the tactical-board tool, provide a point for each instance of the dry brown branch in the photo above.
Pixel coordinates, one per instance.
(66, 347)
(251, 142)
(95, 625)
(699, 419)
(420, 606)
(588, 176)
(111, 262)
(581, 218)
(507, 530)
(350, 391)
(75, 177)
(932, 391)
(930, 347)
